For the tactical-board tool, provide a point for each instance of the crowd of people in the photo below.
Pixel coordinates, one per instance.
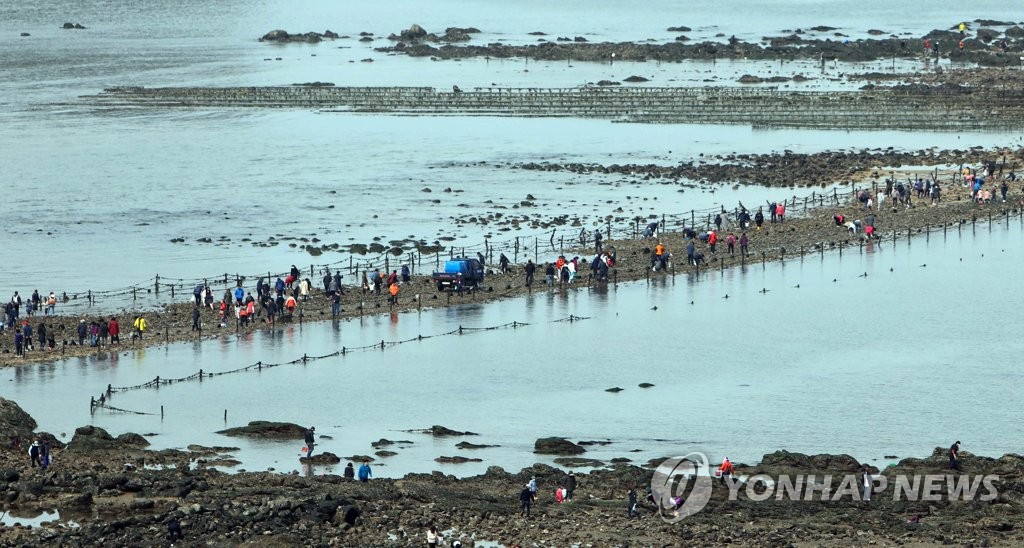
(282, 298)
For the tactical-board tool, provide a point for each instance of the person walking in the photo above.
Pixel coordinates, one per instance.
(310, 437)
(44, 455)
(631, 509)
(33, 453)
(725, 470)
(195, 319)
(954, 456)
(525, 501)
(364, 472)
(26, 330)
(530, 268)
(83, 330)
(19, 343)
(393, 290)
(114, 329)
(51, 304)
(140, 326)
(570, 486)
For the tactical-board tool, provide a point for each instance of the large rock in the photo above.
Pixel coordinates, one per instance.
(131, 439)
(557, 446)
(1014, 32)
(267, 429)
(810, 463)
(14, 421)
(987, 35)
(94, 438)
(413, 33)
(277, 35)
(441, 431)
(321, 458)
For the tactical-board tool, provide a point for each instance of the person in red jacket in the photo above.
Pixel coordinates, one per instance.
(780, 212)
(712, 239)
(114, 329)
(725, 470)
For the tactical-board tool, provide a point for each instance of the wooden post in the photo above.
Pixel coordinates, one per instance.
(161, 412)
(225, 416)
(156, 288)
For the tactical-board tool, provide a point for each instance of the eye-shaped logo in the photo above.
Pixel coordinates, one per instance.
(670, 483)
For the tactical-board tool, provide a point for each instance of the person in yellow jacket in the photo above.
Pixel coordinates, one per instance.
(140, 326)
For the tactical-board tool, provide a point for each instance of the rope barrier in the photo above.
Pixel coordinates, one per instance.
(260, 365)
(99, 405)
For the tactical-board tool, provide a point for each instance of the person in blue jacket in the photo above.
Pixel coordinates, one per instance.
(364, 472)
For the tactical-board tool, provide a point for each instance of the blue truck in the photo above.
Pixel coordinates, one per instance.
(459, 274)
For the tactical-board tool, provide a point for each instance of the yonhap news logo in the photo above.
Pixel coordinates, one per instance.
(673, 478)
(682, 487)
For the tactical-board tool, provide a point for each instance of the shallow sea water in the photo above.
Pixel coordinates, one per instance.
(896, 362)
(867, 365)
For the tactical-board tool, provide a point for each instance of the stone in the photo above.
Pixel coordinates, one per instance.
(557, 446)
(14, 421)
(321, 458)
(131, 439)
(267, 429)
(456, 460)
(142, 504)
(439, 431)
(276, 36)
(987, 35)
(573, 462)
(468, 445)
(1014, 32)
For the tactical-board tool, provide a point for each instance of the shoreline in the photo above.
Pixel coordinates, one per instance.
(113, 490)
(808, 233)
